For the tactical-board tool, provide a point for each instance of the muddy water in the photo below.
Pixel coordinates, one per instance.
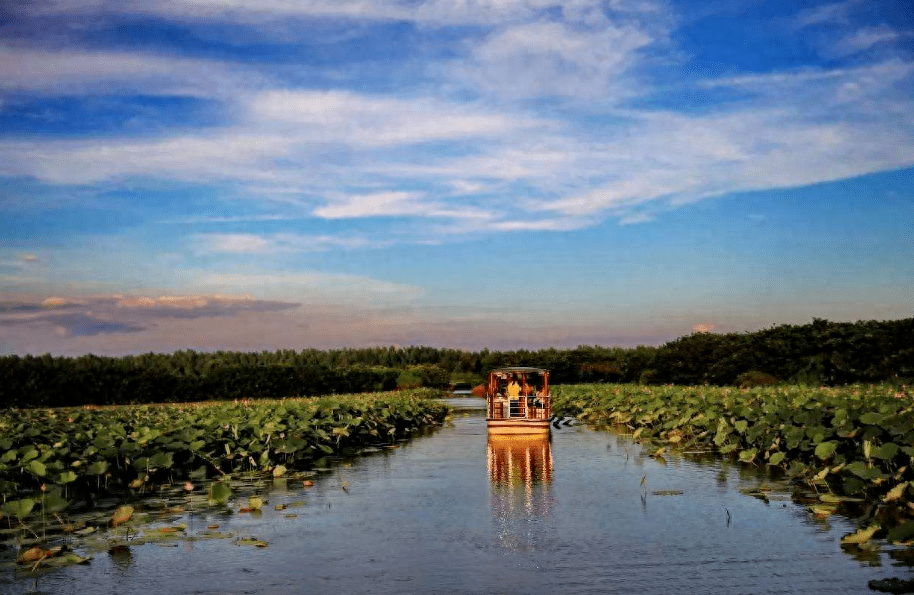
(454, 512)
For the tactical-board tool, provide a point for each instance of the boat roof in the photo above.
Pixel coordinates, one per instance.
(520, 369)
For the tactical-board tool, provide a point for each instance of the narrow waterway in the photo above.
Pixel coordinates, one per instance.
(454, 512)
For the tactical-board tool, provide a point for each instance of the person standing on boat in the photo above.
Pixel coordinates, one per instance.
(513, 388)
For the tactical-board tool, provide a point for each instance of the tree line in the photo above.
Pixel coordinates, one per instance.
(821, 353)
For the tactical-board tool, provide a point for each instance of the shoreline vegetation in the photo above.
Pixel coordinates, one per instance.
(818, 353)
(58, 461)
(853, 446)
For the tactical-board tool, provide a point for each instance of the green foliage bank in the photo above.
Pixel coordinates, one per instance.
(79, 452)
(855, 442)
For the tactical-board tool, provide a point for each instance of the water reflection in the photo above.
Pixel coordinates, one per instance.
(520, 472)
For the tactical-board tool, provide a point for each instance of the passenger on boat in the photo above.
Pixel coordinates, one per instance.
(513, 388)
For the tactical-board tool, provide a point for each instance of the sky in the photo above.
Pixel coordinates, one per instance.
(503, 174)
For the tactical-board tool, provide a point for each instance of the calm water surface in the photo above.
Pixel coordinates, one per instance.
(452, 512)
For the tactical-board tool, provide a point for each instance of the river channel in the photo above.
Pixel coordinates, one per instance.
(454, 512)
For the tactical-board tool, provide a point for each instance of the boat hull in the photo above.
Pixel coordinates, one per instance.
(518, 427)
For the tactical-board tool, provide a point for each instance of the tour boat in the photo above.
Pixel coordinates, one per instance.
(518, 402)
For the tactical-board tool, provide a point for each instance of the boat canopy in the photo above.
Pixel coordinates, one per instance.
(525, 369)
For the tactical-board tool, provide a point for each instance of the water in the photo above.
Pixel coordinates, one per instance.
(452, 512)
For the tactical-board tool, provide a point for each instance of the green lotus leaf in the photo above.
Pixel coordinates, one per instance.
(18, 508)
(871, 418)
(161, 460)
(54, 502)
(861, 536)
(826, 449)
(903, 532)
(776, 458)
(748, 454)
(66, 477)
(97, 468)
(37, 468)
(220, 492)
(886, 451)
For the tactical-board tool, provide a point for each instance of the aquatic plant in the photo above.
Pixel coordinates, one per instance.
(856, 442)
(80, 452)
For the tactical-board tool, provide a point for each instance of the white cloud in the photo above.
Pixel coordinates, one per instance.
(428, 12)
(310, 287)
(864, 39)
(89, 72)
(408, 204)
(250, 243)
(556, 59)
(344, 117)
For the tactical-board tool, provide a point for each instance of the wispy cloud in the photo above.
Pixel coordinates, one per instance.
(250, 243)
(311, 287)
(103, 315)
(393, 203)
(95, 72)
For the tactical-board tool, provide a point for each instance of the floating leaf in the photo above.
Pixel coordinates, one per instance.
(251, 541)
(121, 515)
(822, 512)
(255, 503)
(861, 536)
(279, 471)
(219, 492)
(748, 455)
(896, 492)
(33, 555)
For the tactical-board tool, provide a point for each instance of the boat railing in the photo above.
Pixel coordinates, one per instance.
(507, 408)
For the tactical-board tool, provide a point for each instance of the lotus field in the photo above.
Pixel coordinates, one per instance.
(853, 445)
(51, 458)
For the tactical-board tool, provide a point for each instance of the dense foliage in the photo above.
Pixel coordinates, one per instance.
(855, 441)
(819, 353)
(82, 451)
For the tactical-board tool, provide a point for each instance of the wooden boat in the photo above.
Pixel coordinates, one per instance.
(518, 401)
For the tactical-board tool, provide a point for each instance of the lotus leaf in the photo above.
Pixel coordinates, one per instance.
(871, 418)
(18, 508)
(219, 492)
(902, 533)
(37, 468)
(66, 477)
(121, 515)
(97, 468)
(776, 458)
(886, 451)
(861, 536)
(825, 449)
(896, 492)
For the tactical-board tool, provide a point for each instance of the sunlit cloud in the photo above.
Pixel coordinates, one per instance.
(249, 243)
(106, 315)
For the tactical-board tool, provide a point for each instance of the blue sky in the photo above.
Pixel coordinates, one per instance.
(479, 173)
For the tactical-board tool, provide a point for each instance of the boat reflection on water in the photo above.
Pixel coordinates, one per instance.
(520, 471)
